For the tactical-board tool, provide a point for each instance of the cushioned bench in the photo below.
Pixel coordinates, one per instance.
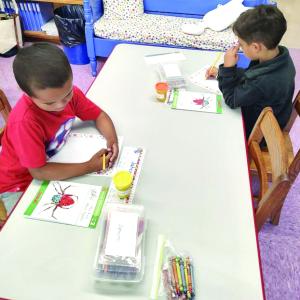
(154, 22)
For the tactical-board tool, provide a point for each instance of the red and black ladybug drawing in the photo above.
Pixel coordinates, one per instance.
(61, 199)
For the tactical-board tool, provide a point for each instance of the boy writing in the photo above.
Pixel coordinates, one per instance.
(40, 122)
(269, 79)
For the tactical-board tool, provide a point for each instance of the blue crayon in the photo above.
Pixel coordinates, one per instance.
(193, 280)
(182, 276)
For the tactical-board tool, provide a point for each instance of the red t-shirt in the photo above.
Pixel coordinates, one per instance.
(32, 135)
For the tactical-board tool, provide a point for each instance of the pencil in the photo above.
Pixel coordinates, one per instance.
(103, 162)
(215, 61)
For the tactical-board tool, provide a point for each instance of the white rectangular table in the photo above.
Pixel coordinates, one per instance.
(194, 186)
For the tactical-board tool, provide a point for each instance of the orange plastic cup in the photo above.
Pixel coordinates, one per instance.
(161, 91)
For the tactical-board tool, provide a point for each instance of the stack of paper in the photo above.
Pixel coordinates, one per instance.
(172, 74)
(159, 58)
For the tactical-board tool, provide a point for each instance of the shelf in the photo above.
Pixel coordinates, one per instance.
(39, 35)
(61, 1)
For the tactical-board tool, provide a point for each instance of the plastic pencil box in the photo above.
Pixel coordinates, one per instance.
(120, 249)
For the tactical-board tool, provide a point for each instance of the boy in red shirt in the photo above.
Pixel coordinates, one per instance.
(39, 124)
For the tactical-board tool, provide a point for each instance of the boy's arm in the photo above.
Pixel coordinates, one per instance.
(235, 92)
(229, 77)
(106, 127)
(61, 171)
(87, 110)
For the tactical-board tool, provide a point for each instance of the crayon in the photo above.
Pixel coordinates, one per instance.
(175, 276)
(182, 275)
(186, 279)
(215, 61)
(103, 162)
(179, 274)
(191, 284)
(190, 288)
(172, 280)
(193, 281)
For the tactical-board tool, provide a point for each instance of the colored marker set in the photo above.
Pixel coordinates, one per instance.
(178, 278)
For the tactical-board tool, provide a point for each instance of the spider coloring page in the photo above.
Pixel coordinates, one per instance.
(67, 202)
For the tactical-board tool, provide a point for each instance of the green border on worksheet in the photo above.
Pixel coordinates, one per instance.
(175, 98)
(36, 199)
(219, 104)
(98, 208)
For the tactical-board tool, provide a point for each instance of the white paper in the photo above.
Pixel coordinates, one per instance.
(158, 58)
(198, 78)
(80, 147)
(171, 70)
(121, 237)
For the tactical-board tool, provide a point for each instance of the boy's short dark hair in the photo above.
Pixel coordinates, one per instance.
(40, 66)
(265, 24)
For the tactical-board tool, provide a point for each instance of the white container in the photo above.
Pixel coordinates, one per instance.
(120, 249)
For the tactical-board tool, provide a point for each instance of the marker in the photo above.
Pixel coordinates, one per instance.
(103, 162)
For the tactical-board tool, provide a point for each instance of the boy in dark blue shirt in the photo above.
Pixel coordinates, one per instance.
(270, 78)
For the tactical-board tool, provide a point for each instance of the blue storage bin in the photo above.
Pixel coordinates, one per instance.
(77, 55)
(252, 3)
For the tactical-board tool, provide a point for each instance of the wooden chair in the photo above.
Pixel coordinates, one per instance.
(3, 213)
(287, 140)
(271, 197)
(5, 109)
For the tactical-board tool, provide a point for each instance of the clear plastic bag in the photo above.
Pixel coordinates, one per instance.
(120, 251)
(173, 273)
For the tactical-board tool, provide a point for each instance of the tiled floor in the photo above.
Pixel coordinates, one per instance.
(291, 10)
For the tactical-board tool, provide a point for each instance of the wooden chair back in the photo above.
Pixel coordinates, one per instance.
(5, 109)
(3, 213)
(287, 139)
(271, 196)
(295, 113)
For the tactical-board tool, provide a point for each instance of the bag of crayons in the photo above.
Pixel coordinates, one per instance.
(173, 276)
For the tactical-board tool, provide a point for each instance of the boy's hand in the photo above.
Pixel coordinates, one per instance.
(211, 73)
(231, 57)
(96, 162)
(113, 149)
